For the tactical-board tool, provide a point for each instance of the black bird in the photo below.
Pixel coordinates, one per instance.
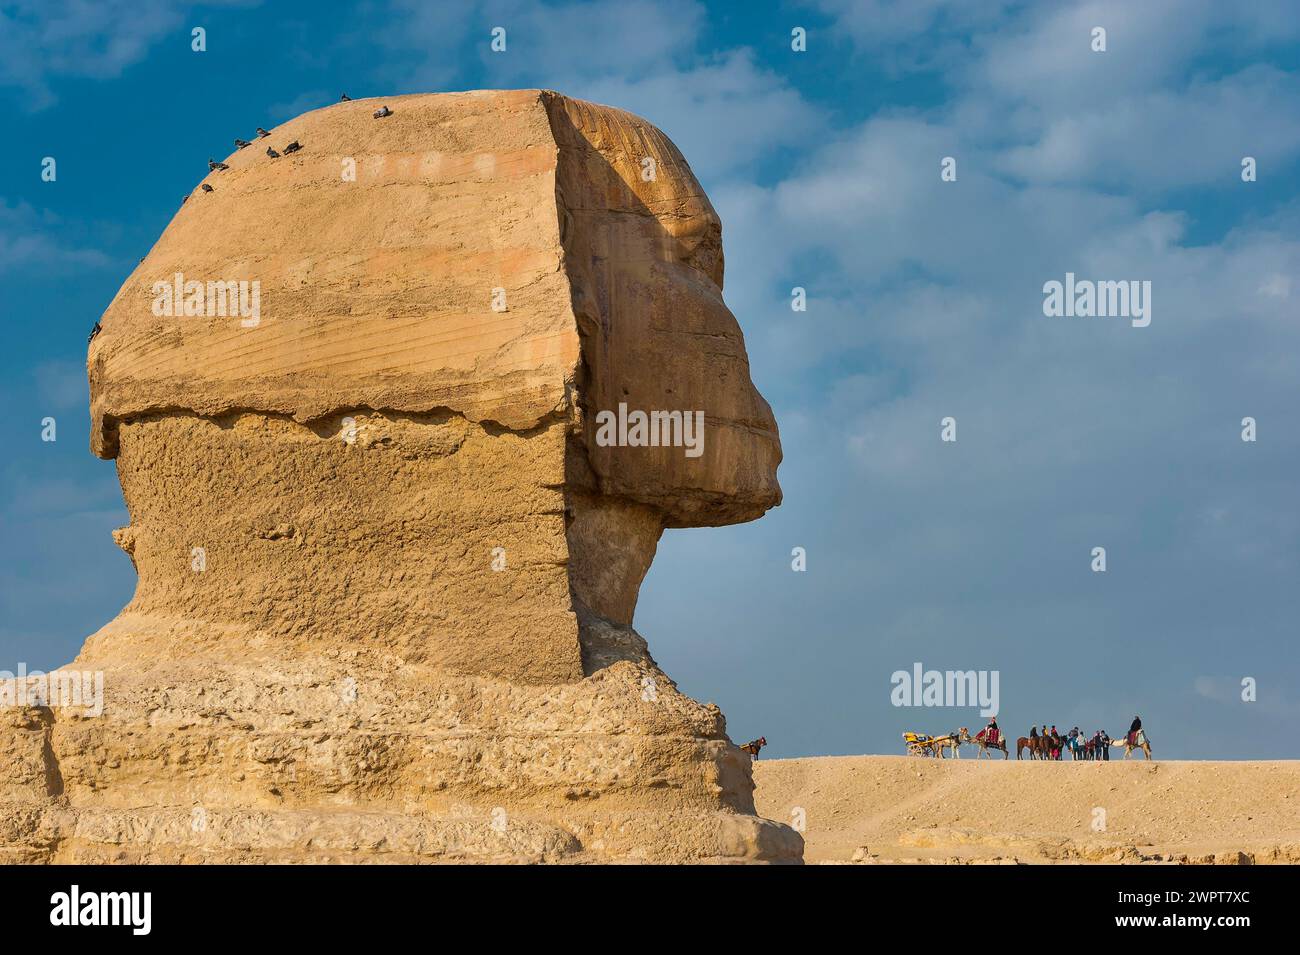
(241, 143)
(94, 331)
(272, 153)
(345, 98)
(213, 165)
(206, 187)
(382, 112)
(262, 133)
(184, 199)
(293, 147)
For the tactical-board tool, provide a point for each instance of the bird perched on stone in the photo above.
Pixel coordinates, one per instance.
(272, 153)
(206, 187)
(293, 147)
(345, 98)
(241, 143)
(184, 199)
(96, 330)
(382, 112)
(213, 165)
(262, 133)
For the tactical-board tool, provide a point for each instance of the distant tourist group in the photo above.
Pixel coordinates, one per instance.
(1046, 743)
(1050, 744)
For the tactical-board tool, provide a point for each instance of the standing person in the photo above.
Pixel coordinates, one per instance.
(1105, 746)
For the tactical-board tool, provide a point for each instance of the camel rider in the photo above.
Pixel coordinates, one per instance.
(1133, 730)
(991, 732)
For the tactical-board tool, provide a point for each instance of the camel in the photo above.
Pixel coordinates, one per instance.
(1143, 743)
(982, 746)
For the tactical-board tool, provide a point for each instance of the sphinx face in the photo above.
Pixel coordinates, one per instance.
(671, 417)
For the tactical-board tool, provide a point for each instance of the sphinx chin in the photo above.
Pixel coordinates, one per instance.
(387, 566)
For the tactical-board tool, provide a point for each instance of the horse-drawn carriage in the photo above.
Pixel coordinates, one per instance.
(919, 744)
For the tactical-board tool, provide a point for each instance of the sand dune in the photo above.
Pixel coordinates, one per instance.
(907, 809)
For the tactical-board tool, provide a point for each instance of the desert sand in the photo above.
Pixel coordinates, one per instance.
(883, 809)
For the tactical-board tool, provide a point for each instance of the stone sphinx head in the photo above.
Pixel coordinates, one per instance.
(480, 362)
(399, 419)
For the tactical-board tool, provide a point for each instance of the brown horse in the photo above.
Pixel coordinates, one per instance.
(1052, 746)
(1032, 743)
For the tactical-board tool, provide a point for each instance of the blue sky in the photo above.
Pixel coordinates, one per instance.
(925, 301)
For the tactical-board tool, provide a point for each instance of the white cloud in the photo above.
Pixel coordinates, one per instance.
(44, 39)
(31, 240)
(723, 115)
(904, 36)
(433, 42)
(1168, 139)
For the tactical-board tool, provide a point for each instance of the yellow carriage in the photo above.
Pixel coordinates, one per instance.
(919, 744)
